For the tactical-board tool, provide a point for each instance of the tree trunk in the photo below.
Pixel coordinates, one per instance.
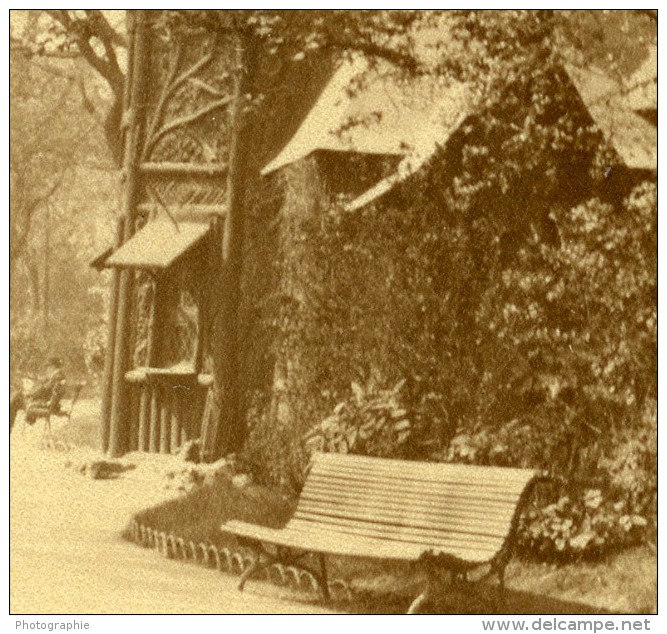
(46, 290)
(229, 420)
(32, 266)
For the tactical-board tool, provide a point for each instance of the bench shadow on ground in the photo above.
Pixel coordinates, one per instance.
(479, 599)
(389, 588)
(394, 596)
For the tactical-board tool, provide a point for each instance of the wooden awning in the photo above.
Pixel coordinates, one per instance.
(158, 245)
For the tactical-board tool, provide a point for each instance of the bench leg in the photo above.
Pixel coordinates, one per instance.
(264, 559)
(501, 584)
(425, 595)
(324, 581)
(419, 601)
(250, 570)
(47, 437)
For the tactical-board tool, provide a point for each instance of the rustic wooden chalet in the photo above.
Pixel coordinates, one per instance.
(160, 365)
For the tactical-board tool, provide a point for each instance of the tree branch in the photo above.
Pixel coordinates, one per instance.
(20, 237)
(82, 32)
(170, 87)
(86, 101)
(205, 87)
(179, 122)
(105, 29)
(403, 60)
(167, 89)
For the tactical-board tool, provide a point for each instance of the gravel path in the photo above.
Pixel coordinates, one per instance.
(67, 555)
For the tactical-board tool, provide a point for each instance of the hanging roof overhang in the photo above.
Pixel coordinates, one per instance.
(373, 110)
(614, 107)
(408, 167)
(158, 245)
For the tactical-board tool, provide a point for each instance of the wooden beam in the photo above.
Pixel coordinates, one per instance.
(144, 417)
(134, 101)
(165, 420)
(154, 419)
(185, 212)
(185, 169)
(231, 431)
(105, 413)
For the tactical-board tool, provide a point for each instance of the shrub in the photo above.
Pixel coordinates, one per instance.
(569, 383)
(373, 423)
(586, 524)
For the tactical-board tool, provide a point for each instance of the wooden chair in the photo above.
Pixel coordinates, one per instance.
(447, 517)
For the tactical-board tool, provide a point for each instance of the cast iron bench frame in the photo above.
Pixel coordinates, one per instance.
(449, 517)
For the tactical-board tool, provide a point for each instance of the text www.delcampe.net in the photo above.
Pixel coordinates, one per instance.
(555, 624)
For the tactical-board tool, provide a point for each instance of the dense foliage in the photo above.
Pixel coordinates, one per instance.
(510, 289)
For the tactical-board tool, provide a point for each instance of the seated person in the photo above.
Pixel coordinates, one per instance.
(39, 396)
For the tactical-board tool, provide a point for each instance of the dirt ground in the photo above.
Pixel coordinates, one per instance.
(67, 555)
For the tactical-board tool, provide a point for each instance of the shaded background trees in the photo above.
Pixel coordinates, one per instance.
(63, 198)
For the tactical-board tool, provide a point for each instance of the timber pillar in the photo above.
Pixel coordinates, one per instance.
(115, 411)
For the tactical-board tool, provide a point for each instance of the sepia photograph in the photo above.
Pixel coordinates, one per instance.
(333, 311)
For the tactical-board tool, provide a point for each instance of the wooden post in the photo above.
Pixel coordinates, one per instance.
(150, 345)
(105, 413)
(154, 440)
(118, 432)
(175, 421)
(118, 426)
(144, 416)
(133, 436)
(187, 416)
(165, 419)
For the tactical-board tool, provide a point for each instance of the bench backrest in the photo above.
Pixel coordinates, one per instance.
(467, 511)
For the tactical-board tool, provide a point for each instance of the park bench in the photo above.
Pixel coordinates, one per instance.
(445, 517)
(54, 407)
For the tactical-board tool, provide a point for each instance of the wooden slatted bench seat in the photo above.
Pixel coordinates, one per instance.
(445, 516)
